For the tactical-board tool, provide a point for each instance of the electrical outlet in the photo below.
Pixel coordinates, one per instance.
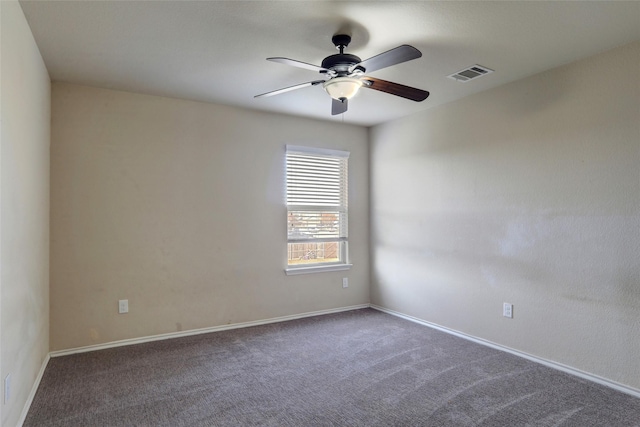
(507, 310)
(345, 282)
(123, 306)
(7, 388)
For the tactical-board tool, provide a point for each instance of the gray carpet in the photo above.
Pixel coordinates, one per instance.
(358, 368)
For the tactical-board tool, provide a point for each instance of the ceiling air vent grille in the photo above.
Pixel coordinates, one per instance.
(470, 73)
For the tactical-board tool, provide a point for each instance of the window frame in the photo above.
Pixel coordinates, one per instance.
(343, 238)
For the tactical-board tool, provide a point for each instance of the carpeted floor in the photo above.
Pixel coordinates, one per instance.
(358, 368)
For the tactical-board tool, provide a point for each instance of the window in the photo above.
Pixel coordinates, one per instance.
(316, 209)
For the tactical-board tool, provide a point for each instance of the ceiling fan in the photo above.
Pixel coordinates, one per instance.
(344, 74)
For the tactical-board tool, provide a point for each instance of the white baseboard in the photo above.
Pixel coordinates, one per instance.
(32, 393)
(549, 363)
(171, 335)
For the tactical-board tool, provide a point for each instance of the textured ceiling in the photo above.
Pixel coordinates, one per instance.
(214, 51)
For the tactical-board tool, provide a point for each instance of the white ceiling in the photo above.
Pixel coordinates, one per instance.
(214, 51)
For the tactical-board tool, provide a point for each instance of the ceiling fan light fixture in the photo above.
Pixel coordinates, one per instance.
(342, 87)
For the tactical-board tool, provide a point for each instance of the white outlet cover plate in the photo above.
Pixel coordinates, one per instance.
(507, 310)
(123, 306)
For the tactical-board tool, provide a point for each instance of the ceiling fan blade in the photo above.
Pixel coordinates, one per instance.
(298, 64)
(338, 107)
(391, 57)
(407, 92)
(290, 88)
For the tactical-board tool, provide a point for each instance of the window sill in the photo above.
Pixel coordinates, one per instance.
(317, 269)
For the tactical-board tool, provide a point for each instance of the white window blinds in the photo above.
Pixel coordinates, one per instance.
(317, 195)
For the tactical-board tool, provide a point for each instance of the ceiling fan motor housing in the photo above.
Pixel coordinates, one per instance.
(340, 62)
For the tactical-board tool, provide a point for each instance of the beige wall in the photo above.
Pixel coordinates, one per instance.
(529, 194)
(178, 206)
(24, 202)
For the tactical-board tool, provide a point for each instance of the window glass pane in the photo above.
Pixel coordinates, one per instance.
(316, 206)
(314, 253)
(310, 225)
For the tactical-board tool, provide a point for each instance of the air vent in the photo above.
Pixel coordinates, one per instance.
(470, 73)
